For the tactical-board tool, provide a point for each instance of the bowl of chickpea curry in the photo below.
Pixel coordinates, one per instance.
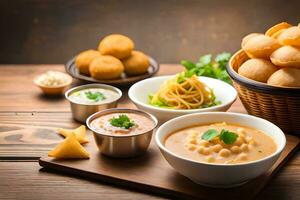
(220, 149)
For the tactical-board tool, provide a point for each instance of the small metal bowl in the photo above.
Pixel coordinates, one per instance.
(122, 146)
(81, 112)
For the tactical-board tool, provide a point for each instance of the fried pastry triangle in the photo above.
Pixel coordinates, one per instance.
(69, 148)
(80, 133)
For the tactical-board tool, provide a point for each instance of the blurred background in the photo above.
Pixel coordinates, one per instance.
(52, 31)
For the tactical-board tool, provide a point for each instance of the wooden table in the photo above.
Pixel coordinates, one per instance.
(25, 111)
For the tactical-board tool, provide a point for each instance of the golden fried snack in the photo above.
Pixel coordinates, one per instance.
(257, 69)
(84, 59)
(247, 38)
(80, 133)
(285, 77)
(275, 30)
(260, 46)
(290, 36)
(116, 45)
(136, 64)
(70, 148)
(286, 56)
(106, 67)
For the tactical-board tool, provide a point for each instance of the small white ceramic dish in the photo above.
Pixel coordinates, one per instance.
(220, 175)
(139, 94)
(57, 89)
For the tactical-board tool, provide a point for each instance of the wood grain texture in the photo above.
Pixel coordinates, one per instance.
(28, 120)
(152, 173)
(27, 181)
(22, 108)
(19, 94)
(30, 135)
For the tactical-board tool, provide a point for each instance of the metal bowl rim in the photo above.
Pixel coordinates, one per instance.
(93, 85)
(114, 110)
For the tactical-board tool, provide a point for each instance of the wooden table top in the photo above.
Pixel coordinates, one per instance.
(24, 109)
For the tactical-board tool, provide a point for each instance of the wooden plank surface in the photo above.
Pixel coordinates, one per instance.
(153, 174)
(28, 123)
(19, 94)
(27, 181)
(23, 108)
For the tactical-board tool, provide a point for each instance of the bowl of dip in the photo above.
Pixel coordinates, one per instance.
(86, 100)
(122, 133)
(53, 82)
(220, 149)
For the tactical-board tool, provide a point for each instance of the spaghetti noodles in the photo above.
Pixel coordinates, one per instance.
(183, 92)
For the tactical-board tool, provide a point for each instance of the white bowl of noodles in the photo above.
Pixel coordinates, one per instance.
(223, 96)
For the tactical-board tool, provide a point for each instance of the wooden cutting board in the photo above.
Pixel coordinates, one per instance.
(151, 173)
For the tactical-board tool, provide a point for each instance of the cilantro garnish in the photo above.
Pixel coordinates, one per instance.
(95, 96)
(226, 136)
(210, 134)
(123, 121)
(206, 66)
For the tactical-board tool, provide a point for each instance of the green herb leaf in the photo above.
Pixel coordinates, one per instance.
(189, 74)
(228, 137)
(223, 57)
(210, 134)
(206, 59)
(183, 75)
(155, 101)
(95, 96)
(188, 64)
(206, 66)
(123, 121)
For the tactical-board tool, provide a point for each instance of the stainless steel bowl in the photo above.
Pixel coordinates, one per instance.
(122, 146)
(81, 112)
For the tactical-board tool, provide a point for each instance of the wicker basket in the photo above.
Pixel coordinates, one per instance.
(278, 105)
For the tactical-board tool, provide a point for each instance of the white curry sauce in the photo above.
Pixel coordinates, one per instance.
(94, 96)
(250, 145)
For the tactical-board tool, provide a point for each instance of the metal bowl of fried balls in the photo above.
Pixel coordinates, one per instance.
(274, 57)
(115, 55)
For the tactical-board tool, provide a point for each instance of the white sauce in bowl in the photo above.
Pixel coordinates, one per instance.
(93, 96)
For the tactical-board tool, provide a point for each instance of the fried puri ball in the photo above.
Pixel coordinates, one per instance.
(257, 69)
(106, 67)
(247, 38)
(136, 64)
(285, 77)
(290, 36)
(84, 59)
(260, 46)
(116, 45)
(286, 56)
(275, 30)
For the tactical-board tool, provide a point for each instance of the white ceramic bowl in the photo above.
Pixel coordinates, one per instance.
(220, 175)
(139, 94)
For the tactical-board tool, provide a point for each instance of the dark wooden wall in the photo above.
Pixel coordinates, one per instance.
(51, 31)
